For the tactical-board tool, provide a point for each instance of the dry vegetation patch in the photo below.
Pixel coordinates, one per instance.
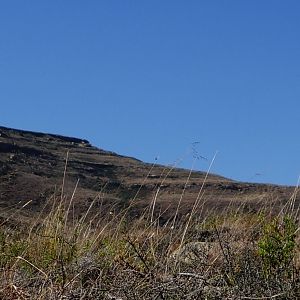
(234, 255)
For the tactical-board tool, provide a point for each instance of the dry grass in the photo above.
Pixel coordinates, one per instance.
(233, 255)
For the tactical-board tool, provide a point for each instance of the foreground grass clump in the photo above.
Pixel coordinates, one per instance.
(232, 255)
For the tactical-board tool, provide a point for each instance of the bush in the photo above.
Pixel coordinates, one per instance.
(277, 244)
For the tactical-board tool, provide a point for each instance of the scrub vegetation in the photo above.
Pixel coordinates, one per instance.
(234, 254)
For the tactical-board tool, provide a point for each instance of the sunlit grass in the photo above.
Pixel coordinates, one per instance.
(226, 255)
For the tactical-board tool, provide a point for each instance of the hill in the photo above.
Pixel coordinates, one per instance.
(32, 167)
(78, 222)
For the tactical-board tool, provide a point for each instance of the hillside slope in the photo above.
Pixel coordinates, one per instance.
(32, 168)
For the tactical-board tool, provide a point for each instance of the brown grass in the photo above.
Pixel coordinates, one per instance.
(108, 255)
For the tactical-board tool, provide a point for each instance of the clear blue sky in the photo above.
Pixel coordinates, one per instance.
(149, 78)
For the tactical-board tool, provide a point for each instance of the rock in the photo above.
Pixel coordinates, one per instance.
(191, 252)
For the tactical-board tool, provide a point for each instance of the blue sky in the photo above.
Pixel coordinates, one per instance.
(149, 78)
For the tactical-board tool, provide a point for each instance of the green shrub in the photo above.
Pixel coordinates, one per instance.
(277, 244)
(10, 248)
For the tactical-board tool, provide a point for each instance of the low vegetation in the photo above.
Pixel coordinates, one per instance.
(233, 255)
